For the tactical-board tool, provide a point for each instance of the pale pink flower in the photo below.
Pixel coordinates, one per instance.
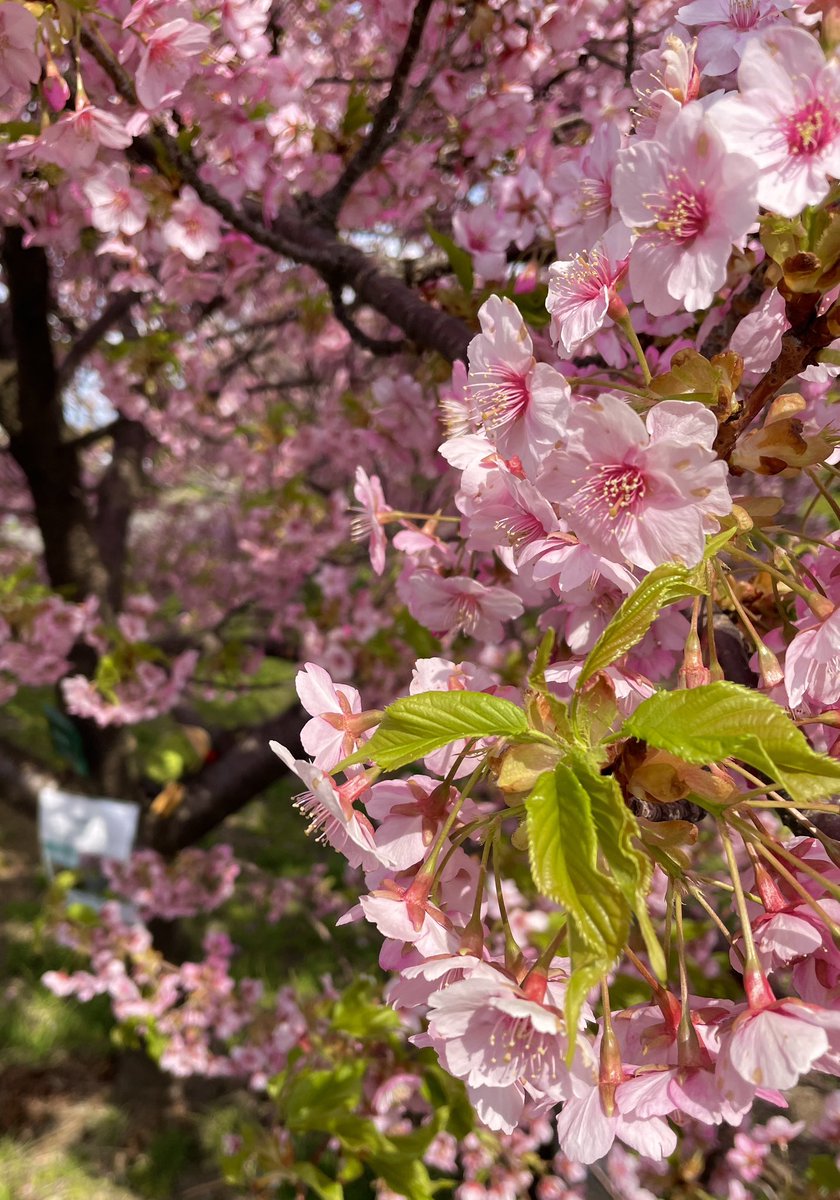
(786, 120)
(331, 812)
(116, 206)
(812, 665)
(192, 228)
(457, 602)
(167, 61)
(586, 1131)
(689, 1090)
(410, 813)
(583, 210)
(443, 675)
(500, 1040)
(523, 403)
(582, 289)
(747, 1156)
(771, 1046)
(338, 724)
(508, 514)
(486, 234)
(404, 913)
(643, 492)
(786, 936)
(726, 28)
(76, 138)
(689, 201)
(778, 1131)
(368, 492)
(244, 25)
(19, 64)
(667, 78)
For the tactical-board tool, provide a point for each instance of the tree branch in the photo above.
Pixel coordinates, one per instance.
(225, 786)
(380, 346)
(800, 347)
(377, 141)
(300, 239)
(90, 338)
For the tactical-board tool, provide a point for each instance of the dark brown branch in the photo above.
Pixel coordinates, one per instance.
(90, 338)
(377, 141)
(92, 436)
(295, 237)
(117, 495)
(380, 346)
(225, 786)
(33, 418)
(800, 347)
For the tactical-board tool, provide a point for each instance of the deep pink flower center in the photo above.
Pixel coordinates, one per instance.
(614, 490)
(683, 214)
(521, 527)
(502, 396)
(811, 129)
(743, 14)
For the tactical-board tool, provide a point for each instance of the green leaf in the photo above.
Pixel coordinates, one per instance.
(357, 113)
(317, 1181)
(663, 586)
(416, 725)
(531, 305)
(359, 1014)
(460, 260)
(318, 1099)
(707, 724)
(617, 831)
(822, 1171)
(563, 844)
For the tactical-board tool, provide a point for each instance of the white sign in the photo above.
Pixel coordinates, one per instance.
(78, 832)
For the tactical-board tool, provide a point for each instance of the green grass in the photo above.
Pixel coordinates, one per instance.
(27, 1173)
(37, 1027)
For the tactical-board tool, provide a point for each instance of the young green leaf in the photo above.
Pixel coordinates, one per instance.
(414, 726)
(724, 720)
(663, 586)
(460, 260)
(617, 832)
(563, 844)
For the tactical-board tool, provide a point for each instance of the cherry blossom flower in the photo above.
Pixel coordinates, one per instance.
(812, 665)
(772, 1045)
(331, 811)
(116, 205)
(587, 1131)
(583, 209)
(443, 675)
(727, 27)
(643, 492)
(167, 61)
(486, 234)
(368, 491)
(523, 403)
(192, 227)
(410, 813)
(667, 78)
(500, 1040)
(19, 64)
(582, 289)
(75, 140)
(457, 602)
(338, 724)
(786, 120)
(689, 201)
